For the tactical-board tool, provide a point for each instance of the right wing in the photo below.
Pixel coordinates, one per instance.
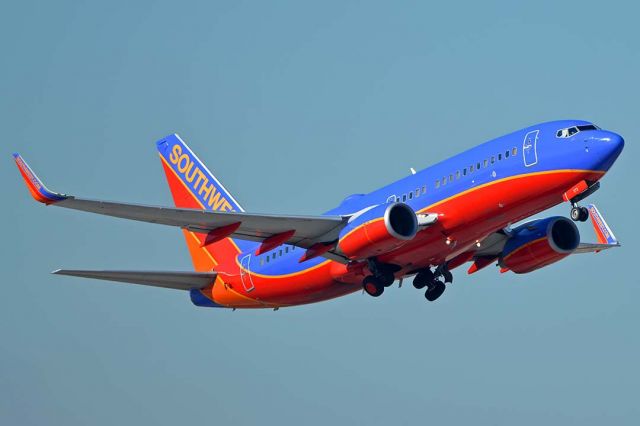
(301, 231)
(490, 248)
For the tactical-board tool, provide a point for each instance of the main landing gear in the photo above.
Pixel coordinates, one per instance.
(382, 277)
(431, 280)
(579, 214)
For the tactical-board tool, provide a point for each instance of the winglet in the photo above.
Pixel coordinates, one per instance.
(37, 189)
(603, 232)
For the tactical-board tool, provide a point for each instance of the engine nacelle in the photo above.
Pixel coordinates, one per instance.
(539, 243)
(379, 230)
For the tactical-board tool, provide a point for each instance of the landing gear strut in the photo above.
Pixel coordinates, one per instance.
(429, 279)
(579, 214)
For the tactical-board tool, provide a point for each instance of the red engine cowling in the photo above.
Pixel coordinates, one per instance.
(539, 243)
(378, 230)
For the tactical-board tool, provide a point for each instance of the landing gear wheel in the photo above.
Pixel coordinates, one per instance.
(579, 214)
(447, 275)
(435, 290)
(575, 214)
(584, 214)
(423, 278)
(387, 279)
(372, 286)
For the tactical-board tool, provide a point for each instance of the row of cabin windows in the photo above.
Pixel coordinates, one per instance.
(276, 253)
(412, 194)
(477, 166)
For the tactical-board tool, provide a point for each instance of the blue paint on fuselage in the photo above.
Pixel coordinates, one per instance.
(537, 149)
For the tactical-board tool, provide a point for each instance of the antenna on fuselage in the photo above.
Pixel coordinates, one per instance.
(413, 171)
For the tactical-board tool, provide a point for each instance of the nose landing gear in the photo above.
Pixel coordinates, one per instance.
(579, 214)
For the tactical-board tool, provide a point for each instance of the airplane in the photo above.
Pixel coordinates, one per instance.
(424, 225)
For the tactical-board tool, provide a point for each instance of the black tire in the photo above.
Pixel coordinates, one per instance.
(419, 284)
(423, 278)
(372, 286)
(435, 291)
(584, 214)
(447, 275)
(387, 279)
(575, 214)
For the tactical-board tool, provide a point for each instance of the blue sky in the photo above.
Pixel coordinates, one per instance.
(295, 105)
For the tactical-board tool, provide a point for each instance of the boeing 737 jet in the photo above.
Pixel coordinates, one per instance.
(425, 225)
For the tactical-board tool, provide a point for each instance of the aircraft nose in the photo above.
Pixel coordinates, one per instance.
(612, 144)
(614, 141)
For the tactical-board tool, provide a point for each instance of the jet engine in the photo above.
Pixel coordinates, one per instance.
(539, 243)
(377, 230)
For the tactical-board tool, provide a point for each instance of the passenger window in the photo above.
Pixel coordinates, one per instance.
(457, 174)
(478, 166)
(451, 178)
(493, 159)
(464, 171)
(273, 256)
(444, 180)
(424, 189)
(471, 168)
(438, 183)
(499, 157)
(486, 163)
(261, 261)
(286, 249)
(280, 252)
(411, 195)
(404, 197)
(266, 259)
(417, 192)
(506, 154)
(514, 151)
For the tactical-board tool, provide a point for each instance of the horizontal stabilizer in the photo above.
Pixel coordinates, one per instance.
(175, 280)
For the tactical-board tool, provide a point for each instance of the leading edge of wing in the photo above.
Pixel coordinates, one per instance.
(165, 279)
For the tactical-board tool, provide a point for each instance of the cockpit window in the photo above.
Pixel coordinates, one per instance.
(587, 127)
(570, 131)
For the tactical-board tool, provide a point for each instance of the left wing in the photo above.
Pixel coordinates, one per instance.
(301, 231)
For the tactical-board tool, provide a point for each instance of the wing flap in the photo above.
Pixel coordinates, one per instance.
(174, 280)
